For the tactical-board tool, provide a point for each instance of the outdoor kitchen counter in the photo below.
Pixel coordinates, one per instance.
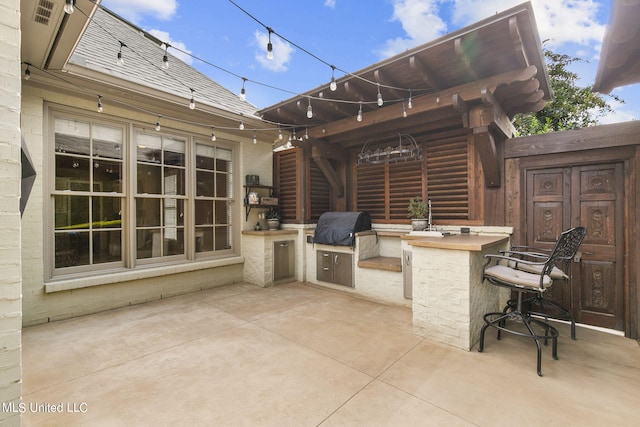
(463, 242)
(449, 297)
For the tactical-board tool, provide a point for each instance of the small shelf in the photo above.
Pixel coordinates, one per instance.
(247, 190)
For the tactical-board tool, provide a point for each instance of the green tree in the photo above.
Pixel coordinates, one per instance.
(572, 107)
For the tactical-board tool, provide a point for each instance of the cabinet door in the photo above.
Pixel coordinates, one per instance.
(324, 267)
(343, 269)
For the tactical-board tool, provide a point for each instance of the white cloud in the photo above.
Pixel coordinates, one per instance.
(560, 21)
(620, 113)
(330, 3)
(133, 10)
(420, 21)
(165, 37)
(282, 52)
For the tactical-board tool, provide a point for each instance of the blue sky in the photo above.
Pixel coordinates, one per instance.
(350, 35)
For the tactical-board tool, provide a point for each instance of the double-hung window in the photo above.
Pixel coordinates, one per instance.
(124, 196)
(161, 195)
(88, 194)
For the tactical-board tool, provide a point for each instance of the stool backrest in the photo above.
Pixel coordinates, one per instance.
(565, 248)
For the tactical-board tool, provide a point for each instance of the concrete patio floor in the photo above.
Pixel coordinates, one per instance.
(299, 355)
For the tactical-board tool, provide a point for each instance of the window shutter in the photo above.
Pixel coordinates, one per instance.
(448, 178)
(370, 190)
(287, 183)
(405, 182)
(319, 192)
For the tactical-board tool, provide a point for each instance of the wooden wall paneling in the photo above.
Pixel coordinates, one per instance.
(319, 194)
(448, 179)
(286, 183)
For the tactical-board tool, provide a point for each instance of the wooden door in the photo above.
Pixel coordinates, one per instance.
(560, 198)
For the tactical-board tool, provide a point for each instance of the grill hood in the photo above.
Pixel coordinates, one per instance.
(340, 228)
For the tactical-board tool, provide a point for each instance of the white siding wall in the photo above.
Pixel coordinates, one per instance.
(10, 175)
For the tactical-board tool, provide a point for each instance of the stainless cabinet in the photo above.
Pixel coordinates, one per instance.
(334, 267)
(283, 260)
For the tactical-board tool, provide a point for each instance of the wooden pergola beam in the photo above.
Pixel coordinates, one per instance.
(419, 67)
(465, 57)
(386, 80)
(485, 146)
(514, 31)
(422, 104)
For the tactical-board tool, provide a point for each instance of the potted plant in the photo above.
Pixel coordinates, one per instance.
(418, 213)
(273, 219)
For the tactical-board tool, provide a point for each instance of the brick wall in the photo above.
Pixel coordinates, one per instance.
(10, 228)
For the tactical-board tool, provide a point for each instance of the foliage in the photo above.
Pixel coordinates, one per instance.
(273, 213)
(572, 107)
(417, 208)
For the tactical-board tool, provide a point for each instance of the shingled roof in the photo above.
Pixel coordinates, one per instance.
(98, 48)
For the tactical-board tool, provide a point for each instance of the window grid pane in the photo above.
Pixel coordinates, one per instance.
(88, 162)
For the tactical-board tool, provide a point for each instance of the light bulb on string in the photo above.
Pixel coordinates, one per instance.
(242, 91)
(241, 126)
(380, 100)
(309, 110)
(269, 45)
(100, 109)
(255, 137)
(410, 102)
(120, 57)
(68, 6)
(306, 133)
(213, 134)
(333, 85)
(192, 103)
(404, 110)
(279, 133)
(359, 116)
(158, 124)
(27, 72)
(165, 58)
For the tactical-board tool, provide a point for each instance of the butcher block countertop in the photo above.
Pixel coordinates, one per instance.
(463, 242)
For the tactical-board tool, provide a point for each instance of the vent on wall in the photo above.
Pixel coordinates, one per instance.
(43, 11)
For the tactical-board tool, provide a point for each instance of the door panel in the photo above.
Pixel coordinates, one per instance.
(560, 198)
(598, 277)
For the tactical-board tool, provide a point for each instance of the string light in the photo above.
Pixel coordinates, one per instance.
(269, 45)
(165, 58)
(27, 72)
(359, 116)
(404, 110)
(279, 133)
(243, 93)
(241, 126)
(437, 98)
(68, 6)
(306, 133)
(192, 103)
(309, 110)
(100, 109)
(333, 85)
(120, 57)
(213, 134)
(380, 100)
(158, 124)
(410, 103)
(255, 137)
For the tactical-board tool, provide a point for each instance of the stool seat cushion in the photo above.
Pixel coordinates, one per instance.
(556, 273)
(517, 278)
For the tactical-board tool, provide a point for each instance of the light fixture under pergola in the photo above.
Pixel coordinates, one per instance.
(407, 149)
